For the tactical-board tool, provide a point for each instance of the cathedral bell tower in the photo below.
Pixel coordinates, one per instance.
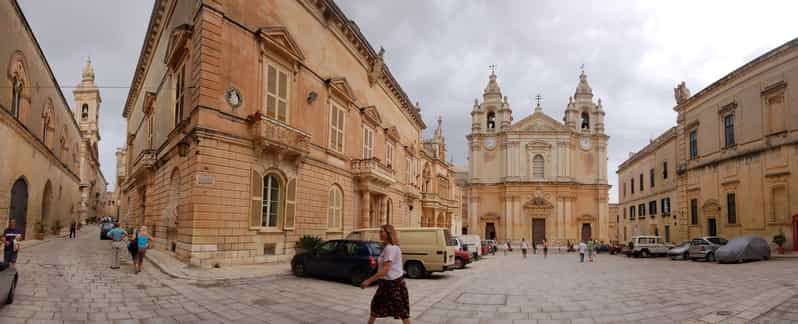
(87, 113)
(493, 115)
(582, 114)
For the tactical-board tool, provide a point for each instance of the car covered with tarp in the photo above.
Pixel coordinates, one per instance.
(744, 248)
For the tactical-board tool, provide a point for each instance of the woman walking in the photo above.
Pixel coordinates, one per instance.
(143, 242)
(391, 298)
(545, 249)
(524, 247)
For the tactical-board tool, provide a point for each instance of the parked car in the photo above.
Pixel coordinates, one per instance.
(461, 259)
(745, 248)
(705, 247)
(648, 245)
(679, 251)
(474, 245)
(616, 248)
(8, 283)
(488, 247)
(104, 228)
(424, 249)
(354, 260)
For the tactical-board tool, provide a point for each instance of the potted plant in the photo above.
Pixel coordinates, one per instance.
(779, 239)
(40, 229)
(307, 243)
(57, 226)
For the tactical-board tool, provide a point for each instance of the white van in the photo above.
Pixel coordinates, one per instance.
(424, 249)
(474, 244)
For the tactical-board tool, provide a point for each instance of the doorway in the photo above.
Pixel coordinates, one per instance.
(586, 232)
(712, 227)
(667, 233)
(18, 210)
(490, 231)
(538, 231)
(795, 232)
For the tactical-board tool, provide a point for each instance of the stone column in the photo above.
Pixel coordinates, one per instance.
(508, 216)
(518, 219)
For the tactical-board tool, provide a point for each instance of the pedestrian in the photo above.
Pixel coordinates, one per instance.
(133, 246)
(545, 249)
(117, 235)
(507, 246)
(73, 228)
(391, 298)
(590, 247)
(524, 247)
(582, 248)
(11, 238)
(143, 241)
(534, 247)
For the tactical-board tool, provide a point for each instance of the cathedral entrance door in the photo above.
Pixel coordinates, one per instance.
(490, 231)
(586, 233)
(538, 231)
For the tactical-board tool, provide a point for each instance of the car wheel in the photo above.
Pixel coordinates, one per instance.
(710, 257)
(644, 253)
(686, 256)
(415, 270)
(458, 263)
(10, 298)
(765, 258)
(357, 277)
(298, 268)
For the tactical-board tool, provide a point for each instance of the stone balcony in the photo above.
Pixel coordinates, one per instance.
(433, 200)
(145, 162)
(372, 175)
(275, 136)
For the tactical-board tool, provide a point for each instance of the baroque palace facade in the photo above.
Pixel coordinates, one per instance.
(730, 165)
(537, 178)
(251, 124)
(49, 164)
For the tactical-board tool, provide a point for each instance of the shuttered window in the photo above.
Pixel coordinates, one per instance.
(336, 128)
(538, 167)
(276, 93)
(255, 210)
(368, 143)
(290, 204)
(334, 208)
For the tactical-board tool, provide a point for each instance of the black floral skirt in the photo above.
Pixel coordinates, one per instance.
(391, 300)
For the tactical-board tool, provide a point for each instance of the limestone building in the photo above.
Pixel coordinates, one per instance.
(647, 183)
(253, 123)
(537, 178)
(735, 157)
(49, 168)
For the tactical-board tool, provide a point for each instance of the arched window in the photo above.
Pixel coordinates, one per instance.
(537, 167)
(491, 120)
(271, 200)
(16, 96)
(585, 120)
(84, 112)
(334, 207)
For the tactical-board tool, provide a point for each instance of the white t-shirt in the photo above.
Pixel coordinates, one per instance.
(394, 254)
(524, 246)
(582, 247)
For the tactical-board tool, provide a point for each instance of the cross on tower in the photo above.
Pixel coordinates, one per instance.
(492, 68)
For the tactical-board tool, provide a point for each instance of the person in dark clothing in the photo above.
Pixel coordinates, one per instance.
(11, 238)
(73, 229)
(133, 246)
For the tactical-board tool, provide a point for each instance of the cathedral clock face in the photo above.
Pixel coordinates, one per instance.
(490, 143)
(585, 143)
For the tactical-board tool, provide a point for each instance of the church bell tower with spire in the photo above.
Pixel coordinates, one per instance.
(87, 113)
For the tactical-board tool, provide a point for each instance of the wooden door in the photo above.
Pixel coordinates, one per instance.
(586, 233)
(712, 227)
(538, 231)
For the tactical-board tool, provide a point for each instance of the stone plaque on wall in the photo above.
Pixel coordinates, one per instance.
(205, 179)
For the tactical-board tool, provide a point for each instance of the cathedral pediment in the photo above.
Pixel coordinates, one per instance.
(371, 115)
(538, 122)
(278, 38)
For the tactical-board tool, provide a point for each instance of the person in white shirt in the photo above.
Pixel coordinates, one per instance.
(524, 247)
(391, 298)
(582, 249)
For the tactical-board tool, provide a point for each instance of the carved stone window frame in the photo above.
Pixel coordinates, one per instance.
(729, 109)
(774, 90)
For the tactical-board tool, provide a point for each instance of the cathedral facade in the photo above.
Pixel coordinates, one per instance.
(537, 178)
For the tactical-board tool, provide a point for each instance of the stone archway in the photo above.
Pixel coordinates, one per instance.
(47, 202)
(18, 209)
(538, 212)
(173, 211)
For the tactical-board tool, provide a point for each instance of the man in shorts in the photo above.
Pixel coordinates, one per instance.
(11, 238)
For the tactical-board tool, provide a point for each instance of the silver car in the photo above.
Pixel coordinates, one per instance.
(746, 248)
(679, 251)
(704, 248)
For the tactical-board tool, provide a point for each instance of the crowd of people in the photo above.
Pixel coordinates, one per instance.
(589, 247)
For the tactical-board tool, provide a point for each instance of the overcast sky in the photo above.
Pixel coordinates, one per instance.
(634, 54)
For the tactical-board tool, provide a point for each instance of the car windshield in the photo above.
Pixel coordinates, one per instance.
(376, 247)
(717, 240)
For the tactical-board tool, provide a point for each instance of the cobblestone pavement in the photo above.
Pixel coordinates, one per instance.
(66, 281)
